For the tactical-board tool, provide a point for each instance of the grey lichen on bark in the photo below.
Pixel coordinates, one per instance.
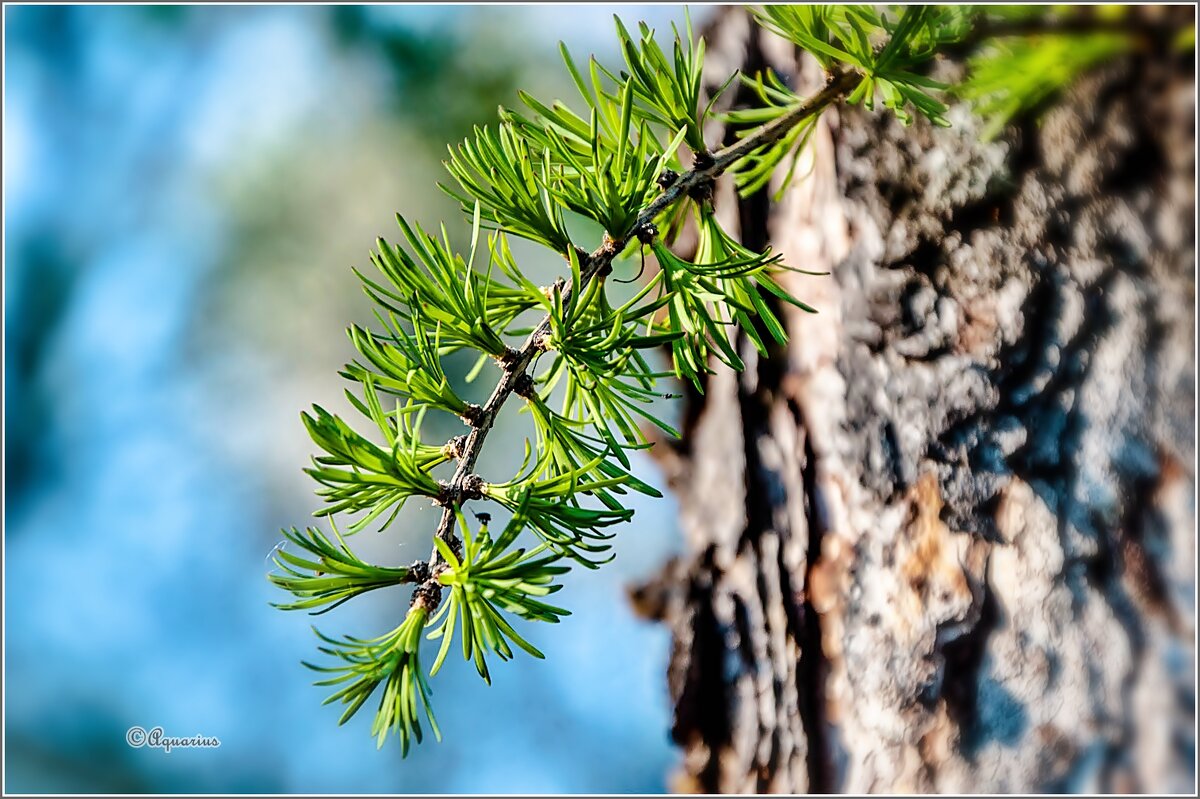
(945, 540)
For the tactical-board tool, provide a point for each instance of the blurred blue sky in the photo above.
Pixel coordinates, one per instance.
(186, 189)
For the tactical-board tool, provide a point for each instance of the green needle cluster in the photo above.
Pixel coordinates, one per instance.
(489, 580)
(392, 660)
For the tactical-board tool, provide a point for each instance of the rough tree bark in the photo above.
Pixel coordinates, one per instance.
(945, 539)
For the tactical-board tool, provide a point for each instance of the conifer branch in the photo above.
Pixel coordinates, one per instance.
(461, 487)
(621, 166)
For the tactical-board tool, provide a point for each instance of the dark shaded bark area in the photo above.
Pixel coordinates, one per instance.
(945, 540)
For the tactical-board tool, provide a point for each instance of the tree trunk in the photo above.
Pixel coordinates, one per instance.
(944, 540)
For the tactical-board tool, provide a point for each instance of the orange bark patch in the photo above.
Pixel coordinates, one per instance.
(932, 566)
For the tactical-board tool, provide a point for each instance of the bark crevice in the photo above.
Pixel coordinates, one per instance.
(941, 541)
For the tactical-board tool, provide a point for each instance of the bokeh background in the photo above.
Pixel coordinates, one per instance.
(186, 190)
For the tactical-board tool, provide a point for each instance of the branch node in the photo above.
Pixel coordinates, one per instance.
(508, 357)
(703, 160)
(609, 247)
(419, 572)
(667, 178)
(523, 387)
(427, 595)
(473, 414)
(454, 447)
(646, 233)
(472, 487)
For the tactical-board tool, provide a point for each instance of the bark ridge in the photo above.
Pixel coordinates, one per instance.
(945, 540)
